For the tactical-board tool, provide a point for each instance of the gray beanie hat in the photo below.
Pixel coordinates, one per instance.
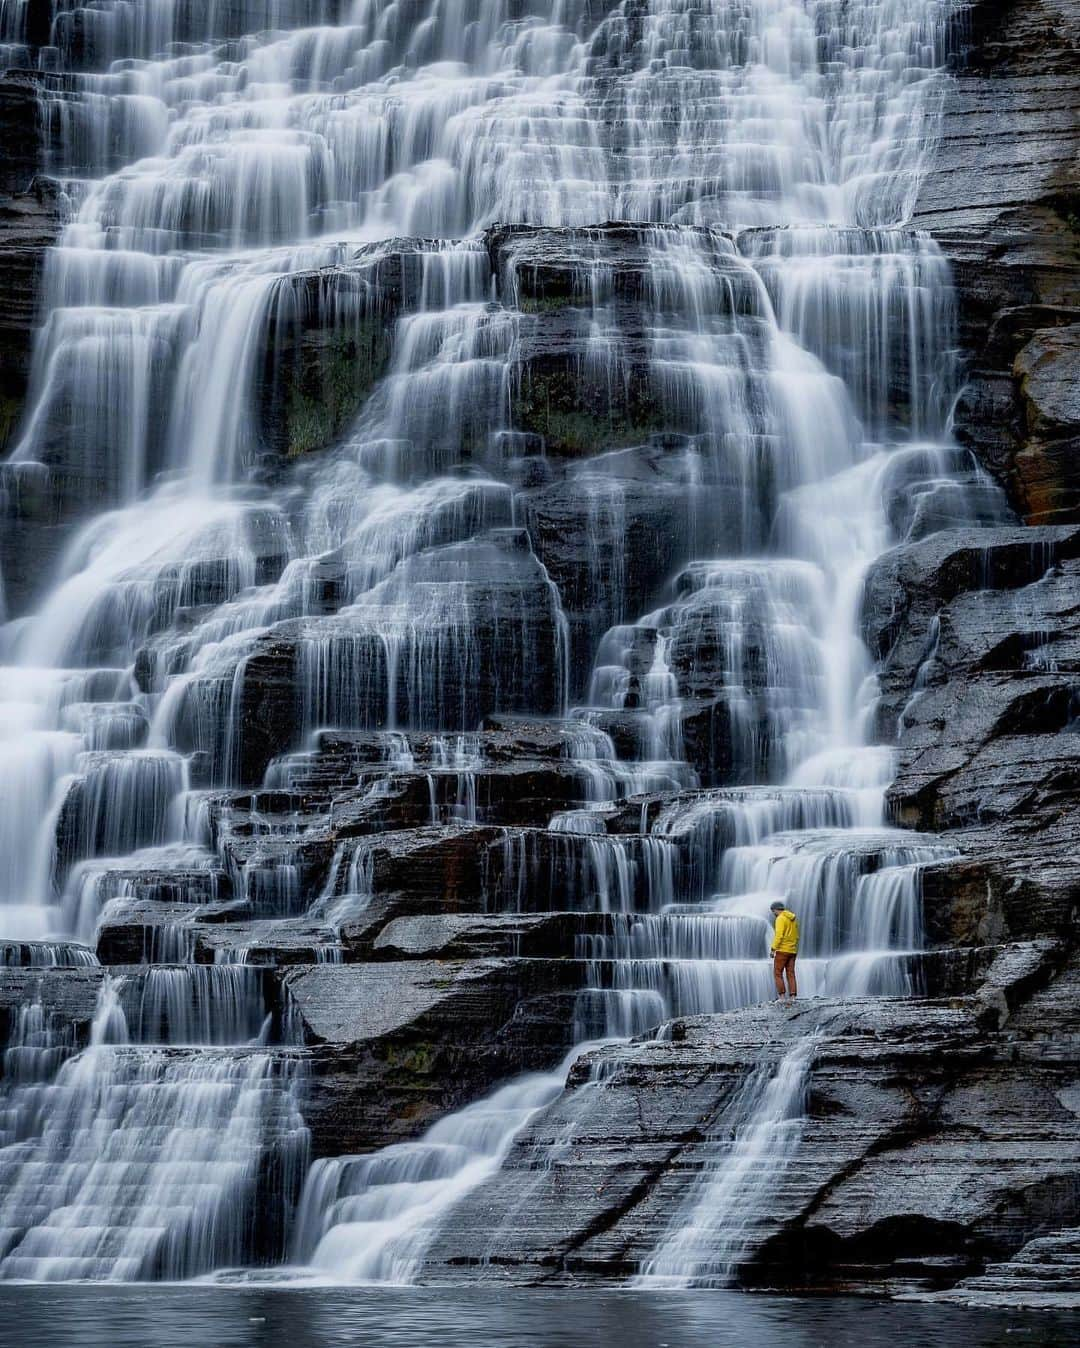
(779, 904)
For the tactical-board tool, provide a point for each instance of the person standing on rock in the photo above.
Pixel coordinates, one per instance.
(785, 946)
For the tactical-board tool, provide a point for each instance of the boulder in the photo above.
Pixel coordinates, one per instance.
(30, 223)
(980, 648)
(582, 393)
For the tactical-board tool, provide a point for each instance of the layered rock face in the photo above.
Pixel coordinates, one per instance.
(1002, 201)
(500, 502)
(928, 1147)
(31, 223)
(32, 207)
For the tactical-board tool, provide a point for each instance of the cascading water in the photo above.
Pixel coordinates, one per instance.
(134, 1162)
(758, 1137)
(370, 1219)
(752, 353)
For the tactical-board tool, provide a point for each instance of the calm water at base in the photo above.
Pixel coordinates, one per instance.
(200, 1317)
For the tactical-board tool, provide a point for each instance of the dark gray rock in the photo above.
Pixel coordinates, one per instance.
(31, 214)
(44, 954)
(487, 631)
(477, 936)
(327, 342)
(1014, 973)
(68, 999)
(1001, 978)
(22, 129)
(541, 268)
(980, 648)
(136, 931)
(1047, 369)
(446, 865)
(925, 1143)
(1001, 199)
(610, 534)
(907, 587)
(1044, 1275)
(1047, 466)
(272, 944)
(972, 900)
(579, 417)
(84, 45)
(395, 1045)
(258, 698)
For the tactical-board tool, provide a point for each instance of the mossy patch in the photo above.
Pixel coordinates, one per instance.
(330, 386)
(316, 379)
(403, 1062)
(10, 416)
(546, 304)
(579, 418)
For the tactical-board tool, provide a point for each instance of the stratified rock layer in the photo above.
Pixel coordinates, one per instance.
(1002, 199)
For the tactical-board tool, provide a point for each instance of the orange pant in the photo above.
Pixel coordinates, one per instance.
(784, 964)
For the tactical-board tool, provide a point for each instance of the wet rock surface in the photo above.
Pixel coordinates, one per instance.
(395, 1045)
(32, 210)
(1002, 202)
(979, 638)
(1041, 1276)
(30, 221)
(328, 340)
(68, 998)
(921, 1155)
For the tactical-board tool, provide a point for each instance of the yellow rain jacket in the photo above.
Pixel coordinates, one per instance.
(786, 933)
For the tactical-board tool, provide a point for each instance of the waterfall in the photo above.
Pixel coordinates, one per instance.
(754, 1141)
(370, 1219)
(144, 1162)
(269, 162)
(404, 368)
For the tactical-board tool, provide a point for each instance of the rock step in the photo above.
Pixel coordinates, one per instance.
(1046, 1262)
(1063, 1242)
(1046, 1267)
(1025, 1278)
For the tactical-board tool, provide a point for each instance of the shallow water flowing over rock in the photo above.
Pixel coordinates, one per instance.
(495, 496)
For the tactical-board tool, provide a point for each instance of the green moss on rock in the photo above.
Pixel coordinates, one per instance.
(579, 418)
(331, 388)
